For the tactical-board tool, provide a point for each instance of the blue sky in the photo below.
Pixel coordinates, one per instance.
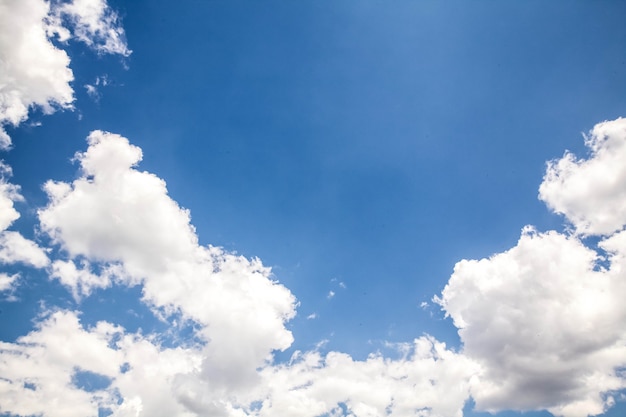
(384, 160)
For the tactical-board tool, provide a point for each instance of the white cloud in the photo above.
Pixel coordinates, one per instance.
(82, 281)
(545, 324)
(544, 319)
(150, 385)
(33, 71)
(16, 248)
(428, 380)
(9, 193)
(8, 282)
(591, 193)
(146, 379)
(116, 214)
(92, 91)
(37, 371)
(95, 24)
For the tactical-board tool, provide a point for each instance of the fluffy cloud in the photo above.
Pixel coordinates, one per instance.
(33, 71)
(591, 193)
(81, 280)
(428, 380)
(544, 322)
(38, 371)
(115, 214)
(544, 319)
(142, 378)
(16, 248)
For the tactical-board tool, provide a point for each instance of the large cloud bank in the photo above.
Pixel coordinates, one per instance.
(540, 324)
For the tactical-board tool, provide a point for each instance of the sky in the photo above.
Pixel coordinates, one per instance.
(312, 208)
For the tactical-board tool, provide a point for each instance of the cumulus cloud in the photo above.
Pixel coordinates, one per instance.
(33, 71)
(116, 214)
(13, 246)
(544, 319)
(38, 369)
(591, 193)
(544, 323)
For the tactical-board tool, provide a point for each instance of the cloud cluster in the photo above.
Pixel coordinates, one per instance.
(540, 323)
(544, 323)
(119, 226)
(33, 71)
(428, 380)
(41, 371)
(38, 370)
(544, 319)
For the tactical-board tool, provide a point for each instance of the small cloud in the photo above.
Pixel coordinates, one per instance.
(8, 282)
(331, 294)
(424, 305)
(311, 316)
(322, 343)
(92, 91)
(343, 285)
(103, 80)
